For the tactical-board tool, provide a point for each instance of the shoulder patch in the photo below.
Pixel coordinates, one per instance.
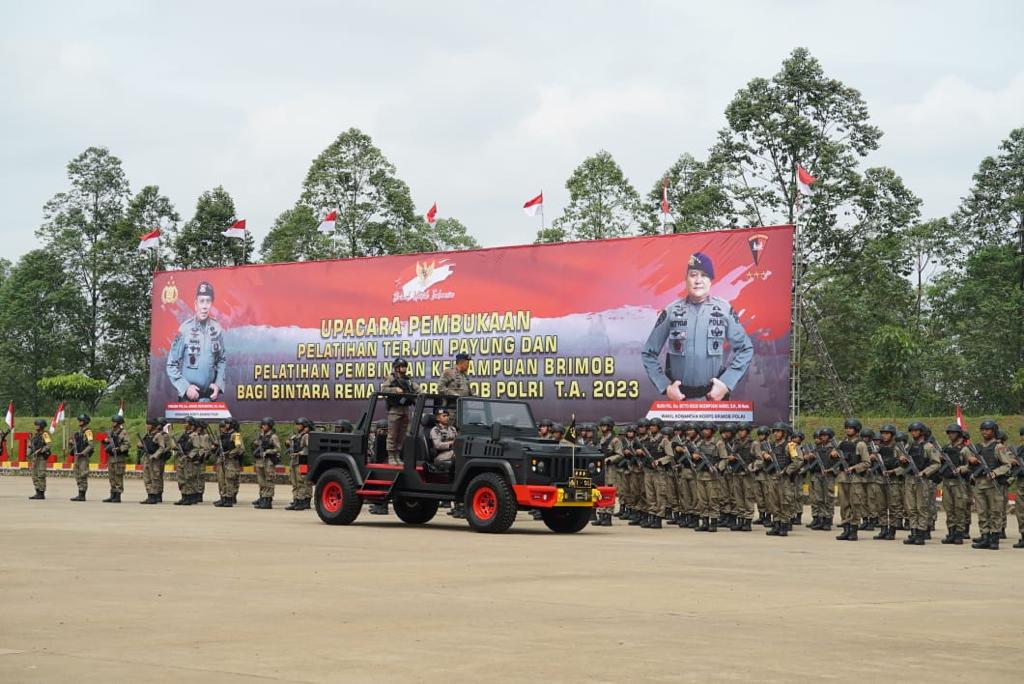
(46, 438)
(88, 434)
(237, 440)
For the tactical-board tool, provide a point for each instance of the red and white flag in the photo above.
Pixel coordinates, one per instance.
(432, 214)
(960, 418)
(150, 240)
(327, 225)
(805, 180)
(237, 230)
(120, 408)
(665, 209)
(534, 206)
(57, 418)
(10, 415)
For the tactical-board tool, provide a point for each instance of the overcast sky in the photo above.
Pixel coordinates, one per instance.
(479, 105)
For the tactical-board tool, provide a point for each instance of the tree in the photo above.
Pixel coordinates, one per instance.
(993, 212)
(77, 226)
(294, 237)
(200, 244)
(129, 290)
(602, 202)
(697, 197)
(375, 208)
(74, 387)
(799, 116)
(45, 317)
(450, 234)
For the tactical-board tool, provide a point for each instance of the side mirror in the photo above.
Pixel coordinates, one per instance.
(495, 431)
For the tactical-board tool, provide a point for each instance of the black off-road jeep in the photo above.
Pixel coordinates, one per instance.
(500, 467)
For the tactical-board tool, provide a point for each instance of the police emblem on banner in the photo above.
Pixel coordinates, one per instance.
(170, 293)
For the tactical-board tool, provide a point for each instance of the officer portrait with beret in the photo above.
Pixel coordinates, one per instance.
(197, 361)
(697, 329)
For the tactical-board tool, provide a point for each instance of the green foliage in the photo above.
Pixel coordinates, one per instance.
(449, 234)
(200, 243)
(993, 212)
(79, 226)
(602, 203)
(697, 197)
(294, 237)
(375, 210)
(44, 320)
(73, 387)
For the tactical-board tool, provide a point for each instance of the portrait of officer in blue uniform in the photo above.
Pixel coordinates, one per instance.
(198, 358)
(693, 332)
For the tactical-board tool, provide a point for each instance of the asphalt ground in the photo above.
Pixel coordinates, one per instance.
(97, 592)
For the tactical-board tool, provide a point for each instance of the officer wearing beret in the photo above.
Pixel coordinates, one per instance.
(697, 328)
(197, 360)
(454, 381)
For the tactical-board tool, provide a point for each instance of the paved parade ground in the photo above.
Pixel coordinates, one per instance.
(98, 592)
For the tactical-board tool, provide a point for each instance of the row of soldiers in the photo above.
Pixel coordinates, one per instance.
(191, 450)
(702, 476)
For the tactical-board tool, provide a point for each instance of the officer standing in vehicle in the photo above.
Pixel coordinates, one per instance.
(81, 448)
(38, 455)
(454, 381)
(156, 449)
(266, 452)
(697, 328)
(229, 463)
(118, 446)
(197, 362)
(401, 391)
(298, 451)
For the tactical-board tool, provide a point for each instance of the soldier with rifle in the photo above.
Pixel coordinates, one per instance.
(80, 446)
(872, 481)
(781, 463)
(639, 471)
(117, 446)
(38, 455)
(952, 476)
(685, 476)
(742, 479)
(889, 490)
(401, 391)
(298, 453)
(705, 455)
(192, 447)
(851, 459)
(154, 450)
(266, 453)
(727, 514)
(757, 451)
(611, 446)
(991, 464)
(627, 509)
(921, 461)
(230, 451)
(822, 480)
(796, 479)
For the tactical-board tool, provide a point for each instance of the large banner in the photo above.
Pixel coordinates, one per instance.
(692, 326)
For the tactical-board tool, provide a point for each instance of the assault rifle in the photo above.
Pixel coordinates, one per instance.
(703, 463)
(840, 455)
(904, 455)
(816, 461)
(982, 465)
(877, 461)
(947, 465)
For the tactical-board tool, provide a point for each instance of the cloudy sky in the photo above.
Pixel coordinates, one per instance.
(479, 105)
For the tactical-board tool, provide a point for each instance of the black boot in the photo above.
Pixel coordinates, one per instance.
(984, 542)
(655, 522)
(1002, 533)
(294, 505)
(760, 519)
(266, 503)
(737, 525)
(702, 526)
(645, 521)
(958, 537)
(950, 535)
(815, 524)
(80, 497)
(916, 538)
(797, 520)
(746, 525)
(150, 499)
(115, 497)
(713, 525)
(220, 503)
(846, 533)
(229, 502)
(883, 532)
(183, 501)
(993, 541)
(607, 519)
(890, 534)
(1020, 544)
(826, 525)
(925, 533)
(784, 529)
(635, 518)
(40, 494)
(853, 533)
(771, 530)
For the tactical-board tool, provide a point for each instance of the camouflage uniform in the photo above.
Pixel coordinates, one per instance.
(709, 487)
(298, 452)
(229, 465)
(118, 447)
(743, 485)
(81, 447)
(454, 383)
(266, 452)
(918, 487)
(990, 492)
(757, 451)
(954, 488)
(782, 464)
(156, 449)
(39, 454)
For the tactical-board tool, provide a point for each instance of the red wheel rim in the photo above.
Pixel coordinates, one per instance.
(485, 503)
(331, 497)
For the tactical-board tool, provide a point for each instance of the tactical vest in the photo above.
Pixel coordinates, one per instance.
(917, 455)
(185, 442)
(781, 455)
(38, 442)
(606, 444)
(742, 450)
(952, 451)
(849, 451)
(149, 444)
(709, 450)
(888, 454)
(227, 442)
(987, 453)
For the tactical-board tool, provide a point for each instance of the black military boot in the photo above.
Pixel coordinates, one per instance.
(815, 523)
(115, 497)
(713, 525)
(655, 522)
(797, 519)
(40, 494)
(736, 524)
(883, 532)
(826, 525)
(916, 538)
(746, 525)
(645, 520)
(771, 529)
(993, 541)
(635, 518)
(958, 537)
(266, 503)
(110, 498)
(183, 501)
(304, 504)
(1002, 533)
(950, 535)
(702, 526)
(294, 505)
(606, 519)
(150, 499)
(80, 497)
(845, 534)
(219, 503)
(784, 529)
(890, 535)
(1020, 544)
(760, 519)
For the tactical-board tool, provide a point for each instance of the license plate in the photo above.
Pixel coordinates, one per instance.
(581, 483)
